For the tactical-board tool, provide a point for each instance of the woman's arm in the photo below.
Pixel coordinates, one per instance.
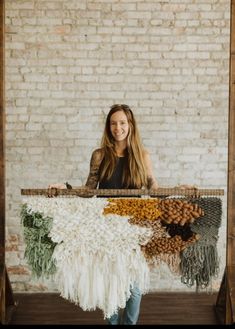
(152, 182)
(93, 177)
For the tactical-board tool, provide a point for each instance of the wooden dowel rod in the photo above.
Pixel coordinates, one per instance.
(123, 192)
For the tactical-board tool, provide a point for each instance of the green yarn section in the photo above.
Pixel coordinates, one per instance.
(39, 246)
(200, 261)
(198, 265)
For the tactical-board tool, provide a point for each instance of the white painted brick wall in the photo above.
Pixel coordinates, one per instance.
(67, 61)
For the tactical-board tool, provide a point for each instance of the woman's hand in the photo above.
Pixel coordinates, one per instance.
(52, 189)
(195, 193)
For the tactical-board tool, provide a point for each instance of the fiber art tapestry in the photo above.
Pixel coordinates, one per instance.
(95, 249)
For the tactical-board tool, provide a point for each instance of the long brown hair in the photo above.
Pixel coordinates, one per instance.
(134, 173)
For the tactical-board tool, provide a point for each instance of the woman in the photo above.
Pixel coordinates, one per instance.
(121, 162)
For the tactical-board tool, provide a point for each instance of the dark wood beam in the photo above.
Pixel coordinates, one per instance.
(2, 140)
(225, 304)
(7, 304)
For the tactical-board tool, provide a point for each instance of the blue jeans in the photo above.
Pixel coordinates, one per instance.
(131, 311)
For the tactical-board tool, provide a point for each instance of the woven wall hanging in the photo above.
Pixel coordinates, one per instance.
(97, 248)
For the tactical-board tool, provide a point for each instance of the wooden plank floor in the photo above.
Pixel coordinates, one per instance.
(156, 309)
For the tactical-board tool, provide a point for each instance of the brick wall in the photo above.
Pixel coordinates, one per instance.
(67, 61)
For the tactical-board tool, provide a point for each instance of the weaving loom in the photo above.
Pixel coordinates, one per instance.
(96, 248)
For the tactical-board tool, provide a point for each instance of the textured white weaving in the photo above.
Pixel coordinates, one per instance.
(98, 256)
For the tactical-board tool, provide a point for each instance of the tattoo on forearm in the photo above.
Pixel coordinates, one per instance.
(93, 177)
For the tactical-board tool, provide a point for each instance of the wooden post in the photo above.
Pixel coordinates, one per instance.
(2, 126)
(225, 304)
(6, 295)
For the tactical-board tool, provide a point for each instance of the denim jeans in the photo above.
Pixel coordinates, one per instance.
(131, 311)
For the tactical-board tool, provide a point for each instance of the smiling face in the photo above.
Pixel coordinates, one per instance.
(119, 126)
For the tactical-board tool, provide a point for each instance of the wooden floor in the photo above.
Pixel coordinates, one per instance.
(156, 309)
